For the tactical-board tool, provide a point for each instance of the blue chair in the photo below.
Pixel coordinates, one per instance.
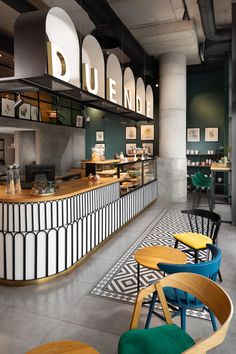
(182, 300)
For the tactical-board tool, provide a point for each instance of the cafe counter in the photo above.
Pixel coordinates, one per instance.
(41, 237)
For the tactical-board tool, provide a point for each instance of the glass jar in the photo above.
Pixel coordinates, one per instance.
(10, 188)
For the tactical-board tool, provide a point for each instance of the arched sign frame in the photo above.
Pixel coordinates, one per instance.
(36, 72)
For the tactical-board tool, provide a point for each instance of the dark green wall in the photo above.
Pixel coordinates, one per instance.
(114, 132)
(207, 108)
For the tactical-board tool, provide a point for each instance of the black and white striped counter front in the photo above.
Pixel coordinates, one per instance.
(41, 237)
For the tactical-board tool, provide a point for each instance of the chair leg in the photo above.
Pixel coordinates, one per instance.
(183, 318)
(195, 199)
(196, 256)
(176, 243)
(209, 199)
(138, 275)
(151, 307)
(220, 276)
(213, 321)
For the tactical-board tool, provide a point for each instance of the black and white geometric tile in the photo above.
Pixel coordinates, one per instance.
(120, 282)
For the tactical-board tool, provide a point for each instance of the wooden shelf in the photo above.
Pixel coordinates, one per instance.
(201, 166)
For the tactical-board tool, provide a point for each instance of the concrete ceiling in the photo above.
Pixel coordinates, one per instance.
(157, 25)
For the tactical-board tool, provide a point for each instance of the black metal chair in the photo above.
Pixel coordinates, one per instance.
(204, 226)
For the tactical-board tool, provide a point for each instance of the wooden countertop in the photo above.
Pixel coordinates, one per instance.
(66, 189)
(104, 162)
(220, 167)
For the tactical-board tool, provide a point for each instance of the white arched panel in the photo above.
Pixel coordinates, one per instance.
(52, 249)
(19, 260)
(140, 96)
(41, 254)
(93, 67)
(114, 80)
(64, 49)
(69, 246)
(9, 255)
(75, 238)
(129, 89)
(61, 248)
(149, 102)
(1, 255)
(30, 256)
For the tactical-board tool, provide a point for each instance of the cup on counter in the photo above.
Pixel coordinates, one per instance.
(196, 152)
(191, 152)
(187, 152)
(203, 163)
(212, 152)
(193, 163)
(208, 152)
(197, 163)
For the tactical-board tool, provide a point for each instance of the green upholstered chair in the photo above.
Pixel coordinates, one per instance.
(170, 339)
(202, 183)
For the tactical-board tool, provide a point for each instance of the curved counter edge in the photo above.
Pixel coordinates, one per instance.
(45, 239)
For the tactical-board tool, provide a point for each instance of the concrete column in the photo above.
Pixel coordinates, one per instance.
(172, 166)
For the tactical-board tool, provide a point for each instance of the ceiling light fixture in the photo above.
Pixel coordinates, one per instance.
(157, 85)
(18, 102)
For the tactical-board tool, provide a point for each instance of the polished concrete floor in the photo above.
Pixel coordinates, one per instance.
(63, 309)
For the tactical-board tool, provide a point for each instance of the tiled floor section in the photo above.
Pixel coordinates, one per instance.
(62, 309)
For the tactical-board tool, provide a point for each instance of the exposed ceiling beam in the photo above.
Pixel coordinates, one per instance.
(20, 6)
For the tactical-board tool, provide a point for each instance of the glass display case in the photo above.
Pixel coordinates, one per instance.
(135, 174)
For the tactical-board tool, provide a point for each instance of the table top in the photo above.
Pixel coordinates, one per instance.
(64, 347)
(220, 167)
(149, 256)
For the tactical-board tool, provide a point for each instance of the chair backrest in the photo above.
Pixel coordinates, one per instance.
(204, 221)
(207, 291)
(208, 269)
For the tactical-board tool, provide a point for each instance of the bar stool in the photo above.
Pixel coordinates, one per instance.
(200, 183)
(64, 347)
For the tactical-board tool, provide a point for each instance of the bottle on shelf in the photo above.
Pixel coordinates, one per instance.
(16, 178)
(121, 156)
(10, 188)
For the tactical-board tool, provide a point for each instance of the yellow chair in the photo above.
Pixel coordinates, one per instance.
(170, 339)
(204, 226)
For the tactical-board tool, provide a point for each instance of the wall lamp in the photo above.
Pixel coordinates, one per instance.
(18, 102)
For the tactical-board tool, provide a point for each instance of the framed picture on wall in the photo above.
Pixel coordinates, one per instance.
(24, 111)
(129, 149)
(99, 135)
(79, 121)
(193, 135)
(34, 112)
(147, 132)
(130, 133)
(211, 134)
(7, 108)
(148, 148)
(100, 146)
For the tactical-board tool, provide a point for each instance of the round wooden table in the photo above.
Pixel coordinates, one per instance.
(64, 347)
(149, 257)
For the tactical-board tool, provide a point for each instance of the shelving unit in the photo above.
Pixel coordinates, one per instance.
(2, 150)
(200, 159)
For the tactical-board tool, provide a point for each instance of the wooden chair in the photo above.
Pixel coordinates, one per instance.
(181, 301)
(204, 225)
(64, 347)
(170, 339)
